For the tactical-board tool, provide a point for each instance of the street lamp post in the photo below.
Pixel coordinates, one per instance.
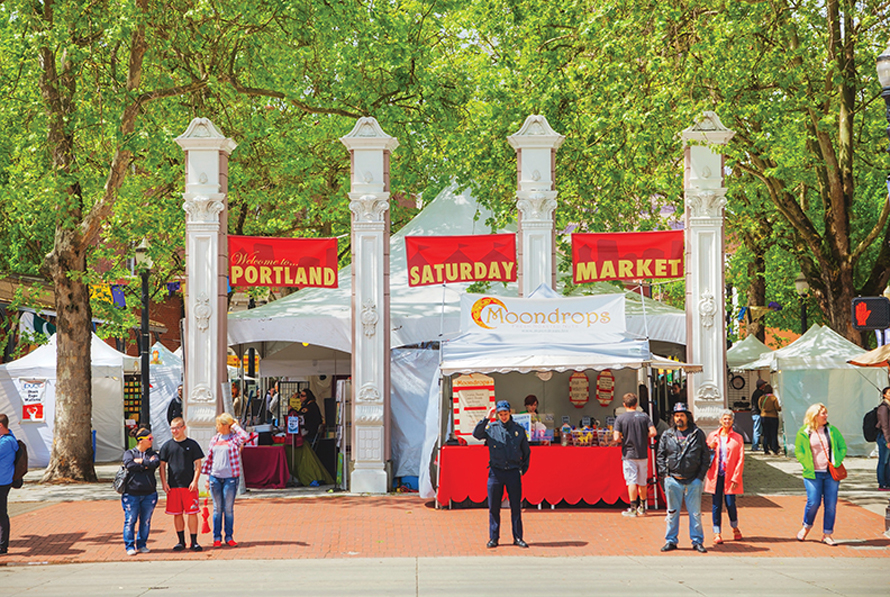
(144, 263)
(883, 66)
(803, 288)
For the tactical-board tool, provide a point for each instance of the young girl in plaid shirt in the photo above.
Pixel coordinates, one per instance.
(223, 467)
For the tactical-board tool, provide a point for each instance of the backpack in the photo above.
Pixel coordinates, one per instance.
(870, 424)
(21, 465)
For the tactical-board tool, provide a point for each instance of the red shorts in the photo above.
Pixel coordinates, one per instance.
(182, 501)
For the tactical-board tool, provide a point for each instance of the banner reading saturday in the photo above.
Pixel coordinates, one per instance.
(263, 261)
(471, 258)
(556, 321)
(626, 256)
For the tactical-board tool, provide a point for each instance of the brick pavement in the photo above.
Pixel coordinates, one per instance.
(406, 525)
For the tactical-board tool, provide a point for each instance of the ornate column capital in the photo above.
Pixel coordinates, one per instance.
(536, 206)
(368, 207)
(203, 209)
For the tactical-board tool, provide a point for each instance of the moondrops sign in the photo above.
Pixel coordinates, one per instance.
(302, 262)
(449, 259)
(627, 256)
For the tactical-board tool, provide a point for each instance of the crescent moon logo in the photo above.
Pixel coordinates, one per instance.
(478, 306)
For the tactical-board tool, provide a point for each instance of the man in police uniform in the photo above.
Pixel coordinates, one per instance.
(508, 460)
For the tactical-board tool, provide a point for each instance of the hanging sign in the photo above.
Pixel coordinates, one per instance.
(32, 393)
(450, 259)
(579, 389)
(473, 397)
(626, 256)
(605, 387)
(301, 262)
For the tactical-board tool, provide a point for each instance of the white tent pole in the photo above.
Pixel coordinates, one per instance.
(442, 318)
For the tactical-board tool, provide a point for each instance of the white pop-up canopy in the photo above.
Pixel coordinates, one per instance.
(38, 369)
(814, 369)
(747, 351)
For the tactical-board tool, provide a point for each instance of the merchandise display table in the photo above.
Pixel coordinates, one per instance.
(556, 473)
(265, 467)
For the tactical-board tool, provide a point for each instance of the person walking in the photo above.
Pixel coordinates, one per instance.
(223, 468)
(683, 460)
(817, 446)
(633, 430)
(8, 448)
(883, 440)
(508, 459)
(180, 472)
(141, 496)
(174, 409)
(755, 415)
(724, 478)
(769, 416)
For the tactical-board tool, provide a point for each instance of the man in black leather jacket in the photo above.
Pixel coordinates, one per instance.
(683, 460)
(508, 460)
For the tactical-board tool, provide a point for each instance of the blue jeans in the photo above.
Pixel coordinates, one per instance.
(498, 480)
(137, 508)
(883, 462)
(717, 506)
(821, 489)
(223, 493)
(758, 432)
(677, 493)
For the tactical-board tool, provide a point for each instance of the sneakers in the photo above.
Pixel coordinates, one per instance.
(144, 550)
(196, 547)
(736, 535)
(131, 552)
(231, 543)
(217, 544)
(630, 512)
(178, 547)
(641, 511)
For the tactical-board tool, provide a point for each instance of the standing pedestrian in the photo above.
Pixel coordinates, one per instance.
(8, 448)
(769, 416)
(174, 409)
(724, 479)
(508, 459)
(180, 472)
(819, 444)
(223, 467)
(883, 440)
(141, 496)
(634, 429)
(683, 460)
(755, 415)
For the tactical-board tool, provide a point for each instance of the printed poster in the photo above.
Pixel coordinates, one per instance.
(473, 397)
(32, 393)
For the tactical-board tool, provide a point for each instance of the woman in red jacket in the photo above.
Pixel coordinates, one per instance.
(724, 479)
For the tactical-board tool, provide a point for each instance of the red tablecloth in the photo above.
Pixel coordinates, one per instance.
(556, 473)
(265, 467)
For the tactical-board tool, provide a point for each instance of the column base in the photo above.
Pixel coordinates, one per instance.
(364, 480)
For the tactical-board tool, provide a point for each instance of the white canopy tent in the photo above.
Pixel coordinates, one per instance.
(165, 369)
(747, 351)
(320, 318)
(814, 369)
(108, 368)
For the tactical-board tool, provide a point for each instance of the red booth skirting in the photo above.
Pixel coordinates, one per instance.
(265, 467)
(556, 473)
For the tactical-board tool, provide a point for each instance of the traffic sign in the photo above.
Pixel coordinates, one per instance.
(871, 313)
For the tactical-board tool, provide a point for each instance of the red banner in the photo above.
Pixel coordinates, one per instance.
(473, 258)
(263, 261)
(626, 256)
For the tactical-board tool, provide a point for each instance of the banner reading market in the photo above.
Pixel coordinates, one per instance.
(263, 261)
(626, 256)
(471, 258)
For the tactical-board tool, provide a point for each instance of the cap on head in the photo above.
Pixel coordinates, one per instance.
(503, 405)
(680, 407)
(760, 383)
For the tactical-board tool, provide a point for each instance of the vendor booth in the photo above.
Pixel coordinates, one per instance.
(814, 368)
(575, 356)
(742, 382)
(28, 397)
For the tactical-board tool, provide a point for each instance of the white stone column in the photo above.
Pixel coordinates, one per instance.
(705, 198)
(206, 184)
(536, 144)
(370, 148)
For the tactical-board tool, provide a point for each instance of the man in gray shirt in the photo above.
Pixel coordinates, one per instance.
(633, 429)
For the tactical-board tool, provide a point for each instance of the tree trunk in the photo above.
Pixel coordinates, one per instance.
(72, 452)
(757, 291)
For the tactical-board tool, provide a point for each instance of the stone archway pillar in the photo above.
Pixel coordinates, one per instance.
(705, 198)
(206, 187)
(536, 144)
(370, 148)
